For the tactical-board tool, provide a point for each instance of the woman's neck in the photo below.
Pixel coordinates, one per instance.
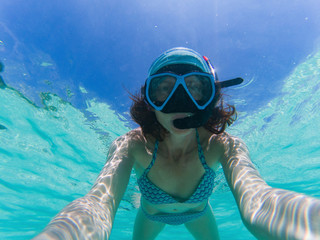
(180, 144)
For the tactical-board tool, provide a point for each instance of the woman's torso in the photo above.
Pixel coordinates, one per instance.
(180, 177)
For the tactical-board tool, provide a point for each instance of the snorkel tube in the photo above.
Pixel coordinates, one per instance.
(200, 117)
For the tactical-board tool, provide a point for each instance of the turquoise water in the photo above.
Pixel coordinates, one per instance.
(51, 154)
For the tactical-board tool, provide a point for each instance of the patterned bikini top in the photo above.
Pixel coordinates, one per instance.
(155, 195)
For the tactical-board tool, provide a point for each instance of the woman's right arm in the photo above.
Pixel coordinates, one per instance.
(91, 217)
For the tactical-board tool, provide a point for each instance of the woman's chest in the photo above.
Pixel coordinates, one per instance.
(177, 177)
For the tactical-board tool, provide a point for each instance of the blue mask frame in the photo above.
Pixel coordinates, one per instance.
(180, 81)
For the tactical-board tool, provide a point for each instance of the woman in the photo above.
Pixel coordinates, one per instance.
(175, 152)
(178, 117)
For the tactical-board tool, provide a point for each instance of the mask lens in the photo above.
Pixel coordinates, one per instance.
(160, 88)
(200, 87)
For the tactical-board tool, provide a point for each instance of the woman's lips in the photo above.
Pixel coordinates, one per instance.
(181, 115)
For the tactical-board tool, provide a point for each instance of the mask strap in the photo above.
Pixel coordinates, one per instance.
(213, 72)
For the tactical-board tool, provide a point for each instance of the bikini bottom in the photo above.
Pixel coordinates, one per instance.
(175, 218)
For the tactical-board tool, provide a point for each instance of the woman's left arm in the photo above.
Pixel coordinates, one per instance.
(268, 213)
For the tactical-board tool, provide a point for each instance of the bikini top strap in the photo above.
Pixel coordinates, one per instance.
(154, 156)
(200, 152)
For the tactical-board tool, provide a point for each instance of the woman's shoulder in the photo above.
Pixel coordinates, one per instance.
(220, 144)
(140, 148)
(129, 139)
(136, 136)
(223, 139)
(136, 141)
(212, 139)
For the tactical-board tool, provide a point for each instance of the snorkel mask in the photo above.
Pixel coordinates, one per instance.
(192, 93)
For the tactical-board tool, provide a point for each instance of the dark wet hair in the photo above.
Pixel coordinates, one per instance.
(222, 116)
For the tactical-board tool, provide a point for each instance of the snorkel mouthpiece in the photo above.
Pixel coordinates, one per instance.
(195, 121)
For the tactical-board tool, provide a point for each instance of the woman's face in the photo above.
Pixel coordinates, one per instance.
(193, 84)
